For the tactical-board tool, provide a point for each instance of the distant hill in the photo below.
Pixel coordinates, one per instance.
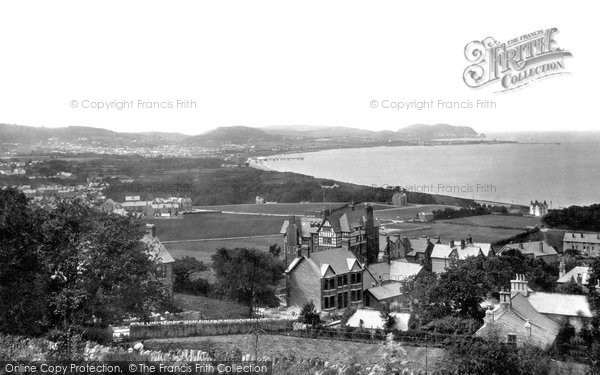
(28, 135)
(233, 135)
(436, 131)
(83, 135)
(418, 131)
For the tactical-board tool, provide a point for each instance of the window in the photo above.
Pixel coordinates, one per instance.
(332, 302)
(345, 299)
(359, 278)
(359, 295)
(340, 300)
(326, 240)
(345, 279)
(340, 280)
(353, 278)
(325, 303)
(161, 271)
(512, 339)
(329, 284)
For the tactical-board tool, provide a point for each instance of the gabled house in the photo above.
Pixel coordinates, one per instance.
(420, 248)
(332, 279)
(347, 228)
(584, 243)
(538, 208)
(442, 255)
(578, 275)
(382, 282)
(158, 252)
(527, 316)
(536, 249)
(392, 247)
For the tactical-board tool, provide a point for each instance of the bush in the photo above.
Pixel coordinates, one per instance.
(98, 335)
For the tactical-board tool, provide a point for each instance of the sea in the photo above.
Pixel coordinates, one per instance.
(562, 169)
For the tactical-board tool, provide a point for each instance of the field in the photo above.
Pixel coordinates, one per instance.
(214, 225)
(202, 250)
(499, 221)
(212, 308)
(277, 346)
(448, 231)
(276, 209)
(408, 212)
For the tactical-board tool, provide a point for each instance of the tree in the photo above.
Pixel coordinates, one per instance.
(248, 275)
(389, 321)
(275, 250)
(183, 269)
(22, 284)
(99, 268)
(309, 315)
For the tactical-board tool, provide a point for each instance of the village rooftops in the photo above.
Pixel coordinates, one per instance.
(536, 249)
(574, 273)
(396, 270)
(444, 251)
(307, 225)
(560, 304)
(338, 260)
(582, 237)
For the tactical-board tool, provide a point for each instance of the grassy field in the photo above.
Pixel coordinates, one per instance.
(408, 212)
(213, 225)
(448, 231)
(211, 307)
(277, 346)
(276, 209)
(202, 250)
(504, 221)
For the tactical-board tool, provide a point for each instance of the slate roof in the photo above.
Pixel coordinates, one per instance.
(532, 248)
(306, 225)
(513, 320)
(418, 245)
(582, 237)
(572, 275)
(157, 249)
(560, 304)
(385, 291)
(397, 270)
(339, 260)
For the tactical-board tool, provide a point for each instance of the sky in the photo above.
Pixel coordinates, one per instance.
(189, 66)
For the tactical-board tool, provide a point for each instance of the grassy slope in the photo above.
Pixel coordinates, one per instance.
(281, 346)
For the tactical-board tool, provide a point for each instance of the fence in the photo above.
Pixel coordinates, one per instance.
(206, 327)
(413, 337)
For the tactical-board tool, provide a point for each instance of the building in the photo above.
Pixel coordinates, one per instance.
(370, 319)
(538, 209)
(164, 271)
(584, 243)
(515, 321)
(526, 316)
(420, 248)
(347, 228)
(382, 282)
(332, 279)
(577, 275)
(535, 249)
(425, 217)
(259, 200)
(392, 247)
(400, 199)
(442, 255)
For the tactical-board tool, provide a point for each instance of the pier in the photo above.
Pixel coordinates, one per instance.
(277, 158)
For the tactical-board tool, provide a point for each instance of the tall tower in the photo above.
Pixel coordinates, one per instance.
(372, 237)
(290, 245)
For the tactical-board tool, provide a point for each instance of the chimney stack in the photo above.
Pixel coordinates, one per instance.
(519, 285)
(579, 280)
(462, 244)
(489, 316)
(561, 269)
(527, 329)
(151, 230)
(451, 243)
(505, 302)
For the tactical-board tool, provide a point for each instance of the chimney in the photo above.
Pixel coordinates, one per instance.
(573, 235)
(561, 269)
(151, 230)
(579, 280)
(505, 302)
(462, 244)
(581, 234)
(371, 237)
(470, 238)
(519, 285)
(520, 245)
(527, 329)
(389, 249)
(451, 243)
(489, 316)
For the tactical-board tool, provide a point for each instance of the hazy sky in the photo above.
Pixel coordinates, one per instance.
(264, 63)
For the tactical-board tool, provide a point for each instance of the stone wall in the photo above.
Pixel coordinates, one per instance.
(206, 327)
